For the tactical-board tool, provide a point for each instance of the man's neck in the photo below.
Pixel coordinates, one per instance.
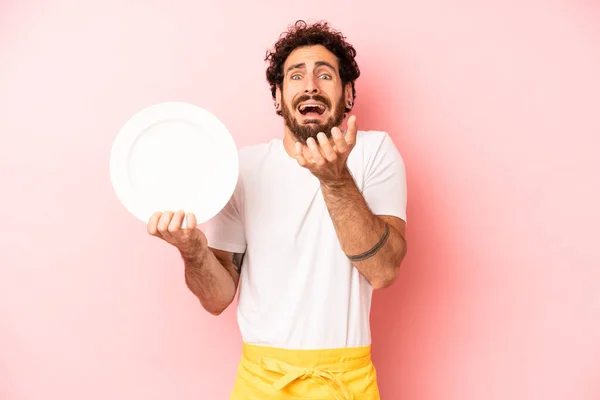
(289, 142)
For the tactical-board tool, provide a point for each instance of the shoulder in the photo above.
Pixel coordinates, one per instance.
(257, 158)
(374, 152)
(253, 150)
(258, 151)
(372, 145)
(372, 140)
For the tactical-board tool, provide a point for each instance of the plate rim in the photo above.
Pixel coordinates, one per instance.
(138, 123)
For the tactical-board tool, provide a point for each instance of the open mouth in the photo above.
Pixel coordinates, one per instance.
(312, 109)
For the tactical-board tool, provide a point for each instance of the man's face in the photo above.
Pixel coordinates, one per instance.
(312, 99)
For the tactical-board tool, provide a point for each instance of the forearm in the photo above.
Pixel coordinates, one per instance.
(358, 230)
(206, 277)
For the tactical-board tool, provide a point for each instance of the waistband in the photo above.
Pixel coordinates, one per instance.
(325, 365)
(354, 356)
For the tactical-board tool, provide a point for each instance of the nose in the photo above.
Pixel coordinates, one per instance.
(312, 86)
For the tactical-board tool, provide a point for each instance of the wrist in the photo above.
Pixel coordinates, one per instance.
(194, 253)
(344, 179)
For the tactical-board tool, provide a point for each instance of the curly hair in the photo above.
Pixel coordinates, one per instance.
(301, 34)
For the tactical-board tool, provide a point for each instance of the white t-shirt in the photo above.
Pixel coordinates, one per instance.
(298, 290)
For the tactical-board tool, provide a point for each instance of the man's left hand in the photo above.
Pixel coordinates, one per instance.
(325, 160)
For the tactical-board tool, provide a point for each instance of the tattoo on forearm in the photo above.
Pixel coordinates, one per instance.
(238, 259)
(371, 252)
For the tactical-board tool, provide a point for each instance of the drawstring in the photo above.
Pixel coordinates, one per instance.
(291, 373)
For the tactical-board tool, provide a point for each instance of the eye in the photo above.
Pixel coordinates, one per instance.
(325, 76)
(295, 77)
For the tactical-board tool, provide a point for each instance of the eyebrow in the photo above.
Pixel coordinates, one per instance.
(302, 65)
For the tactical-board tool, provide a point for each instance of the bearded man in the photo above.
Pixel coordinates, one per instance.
(315, 225)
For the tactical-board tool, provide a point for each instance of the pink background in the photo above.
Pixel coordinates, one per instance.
(495, 106)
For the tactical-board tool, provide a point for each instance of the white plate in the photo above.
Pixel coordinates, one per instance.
(174, 156)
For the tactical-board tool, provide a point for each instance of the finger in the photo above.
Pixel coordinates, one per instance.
(152, 226)
(299, 156)
(315, 152)
(340, 142)
(175, 224)
(163, 224)
(191, 221)
(352, 130)
(326, 147)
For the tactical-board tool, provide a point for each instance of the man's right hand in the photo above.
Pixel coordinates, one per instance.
(211, 274)
(190, 241)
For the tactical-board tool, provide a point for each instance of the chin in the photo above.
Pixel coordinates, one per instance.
(304, 127)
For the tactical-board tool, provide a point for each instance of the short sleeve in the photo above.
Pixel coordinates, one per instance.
(225, 231)
(385, 178)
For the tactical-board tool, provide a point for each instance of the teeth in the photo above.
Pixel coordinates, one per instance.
(302, 107)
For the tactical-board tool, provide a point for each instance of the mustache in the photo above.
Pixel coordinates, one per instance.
(316, 97)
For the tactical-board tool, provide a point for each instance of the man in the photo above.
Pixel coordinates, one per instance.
(317, 221)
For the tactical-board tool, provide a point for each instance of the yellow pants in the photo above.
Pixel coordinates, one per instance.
(268, 373)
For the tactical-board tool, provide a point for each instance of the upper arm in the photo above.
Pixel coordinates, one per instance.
(399, 225)
(226, 234)
(231, 261)
(384, 186)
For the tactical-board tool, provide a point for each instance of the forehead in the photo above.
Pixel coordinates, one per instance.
(311, 55)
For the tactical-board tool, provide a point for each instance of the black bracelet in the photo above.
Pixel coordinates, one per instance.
(375, 248)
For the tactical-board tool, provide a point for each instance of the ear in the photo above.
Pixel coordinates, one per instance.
(348, 94)
(277, 105)
(278, 94)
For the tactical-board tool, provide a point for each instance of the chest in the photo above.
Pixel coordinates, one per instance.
(284, 209)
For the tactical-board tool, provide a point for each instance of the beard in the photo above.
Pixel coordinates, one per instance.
(312, 127)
